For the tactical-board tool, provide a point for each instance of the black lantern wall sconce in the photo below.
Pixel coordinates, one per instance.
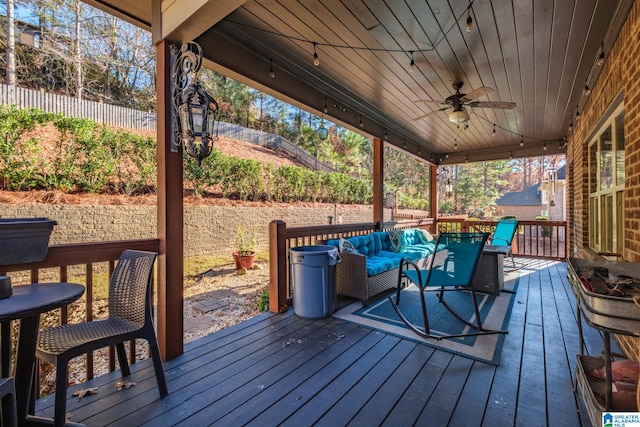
(195, 111)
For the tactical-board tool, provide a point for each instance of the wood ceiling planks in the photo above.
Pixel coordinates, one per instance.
(537, 54)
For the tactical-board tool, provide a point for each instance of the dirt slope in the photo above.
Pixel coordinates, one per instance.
(229, 147)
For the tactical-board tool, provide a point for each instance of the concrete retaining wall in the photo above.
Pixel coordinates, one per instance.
(209, 230)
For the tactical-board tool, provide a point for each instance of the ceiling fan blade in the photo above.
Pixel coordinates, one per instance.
(476, 93)
(430, 113)
(502, 105)
(430, 101)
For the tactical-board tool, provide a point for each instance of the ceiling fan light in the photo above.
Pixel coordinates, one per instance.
(460, 116)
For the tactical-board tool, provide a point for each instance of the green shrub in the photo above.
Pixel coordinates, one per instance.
(547, 230)
(88, 157)
(263, 301)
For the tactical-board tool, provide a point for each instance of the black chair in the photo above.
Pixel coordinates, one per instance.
(129, 318)
(8, 396)
(451, 269)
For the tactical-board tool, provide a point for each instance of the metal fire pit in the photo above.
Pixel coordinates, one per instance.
(611, 312)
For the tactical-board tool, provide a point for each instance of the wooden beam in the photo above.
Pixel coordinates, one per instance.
(184, 20)
(170, 217)
(433, 191)
(378, 182)
(278, 277)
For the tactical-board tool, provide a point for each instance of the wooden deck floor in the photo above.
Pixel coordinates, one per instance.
(281, 369)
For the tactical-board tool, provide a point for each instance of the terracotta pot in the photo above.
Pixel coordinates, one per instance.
(244, 261)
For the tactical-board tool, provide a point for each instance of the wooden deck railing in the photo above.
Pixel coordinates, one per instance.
(281, 239)
(70, 262)
(542, 239)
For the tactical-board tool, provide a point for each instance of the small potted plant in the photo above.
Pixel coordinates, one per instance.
(245, 248)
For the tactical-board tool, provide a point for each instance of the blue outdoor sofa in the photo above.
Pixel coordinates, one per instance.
(370, 265)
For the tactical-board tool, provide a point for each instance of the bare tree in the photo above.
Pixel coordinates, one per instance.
(11, 51)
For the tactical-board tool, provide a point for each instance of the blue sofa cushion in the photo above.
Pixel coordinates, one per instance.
(380, 263)
(377, 248)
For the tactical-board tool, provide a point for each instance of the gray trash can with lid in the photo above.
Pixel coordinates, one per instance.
(313, 279)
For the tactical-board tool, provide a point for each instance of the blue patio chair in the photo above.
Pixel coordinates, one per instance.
(503, 235)
(451, 269)
(129, 318)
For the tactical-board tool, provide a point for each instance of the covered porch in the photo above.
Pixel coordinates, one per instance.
(282, 369)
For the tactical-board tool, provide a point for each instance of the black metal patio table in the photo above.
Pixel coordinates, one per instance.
(26, 304)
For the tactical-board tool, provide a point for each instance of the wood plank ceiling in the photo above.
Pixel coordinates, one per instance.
(538, 54)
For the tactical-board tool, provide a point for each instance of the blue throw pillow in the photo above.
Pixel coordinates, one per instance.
(347, 246)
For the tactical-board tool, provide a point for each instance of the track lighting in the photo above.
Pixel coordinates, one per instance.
(316, 61)
(325, 110)
(272, 74)
(361, 123)
(587, 90)
(494, 130)
(577, 115)
(521, 141)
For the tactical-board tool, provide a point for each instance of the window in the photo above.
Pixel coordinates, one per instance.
(606, 185)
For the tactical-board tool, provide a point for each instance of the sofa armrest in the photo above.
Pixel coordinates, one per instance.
(351, 275)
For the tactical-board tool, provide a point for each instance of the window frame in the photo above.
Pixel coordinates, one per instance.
(605, 184)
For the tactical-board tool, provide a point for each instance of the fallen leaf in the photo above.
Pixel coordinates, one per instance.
(85, 391)
(124, 385)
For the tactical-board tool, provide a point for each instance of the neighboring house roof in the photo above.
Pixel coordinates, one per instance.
(528, 197)
(562, 172)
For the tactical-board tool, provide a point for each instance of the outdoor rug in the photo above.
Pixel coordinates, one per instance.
(494, 310)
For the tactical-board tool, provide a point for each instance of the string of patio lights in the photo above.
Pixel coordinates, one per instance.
(469, 24)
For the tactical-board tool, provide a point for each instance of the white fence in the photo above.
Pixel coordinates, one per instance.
(97, 111)
(128, 118)
(274, 142)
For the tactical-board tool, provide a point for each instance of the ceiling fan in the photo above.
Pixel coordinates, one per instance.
(458, 101)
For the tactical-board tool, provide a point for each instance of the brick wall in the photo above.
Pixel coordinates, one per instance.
(621, 74)
(209, 230)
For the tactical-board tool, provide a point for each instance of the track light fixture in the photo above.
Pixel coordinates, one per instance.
(494, 130)
(272, 74)
(587, 90)
(521, 141)
(469, 19)
(361, 123)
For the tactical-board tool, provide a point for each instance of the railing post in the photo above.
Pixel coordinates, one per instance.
(278, 294)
